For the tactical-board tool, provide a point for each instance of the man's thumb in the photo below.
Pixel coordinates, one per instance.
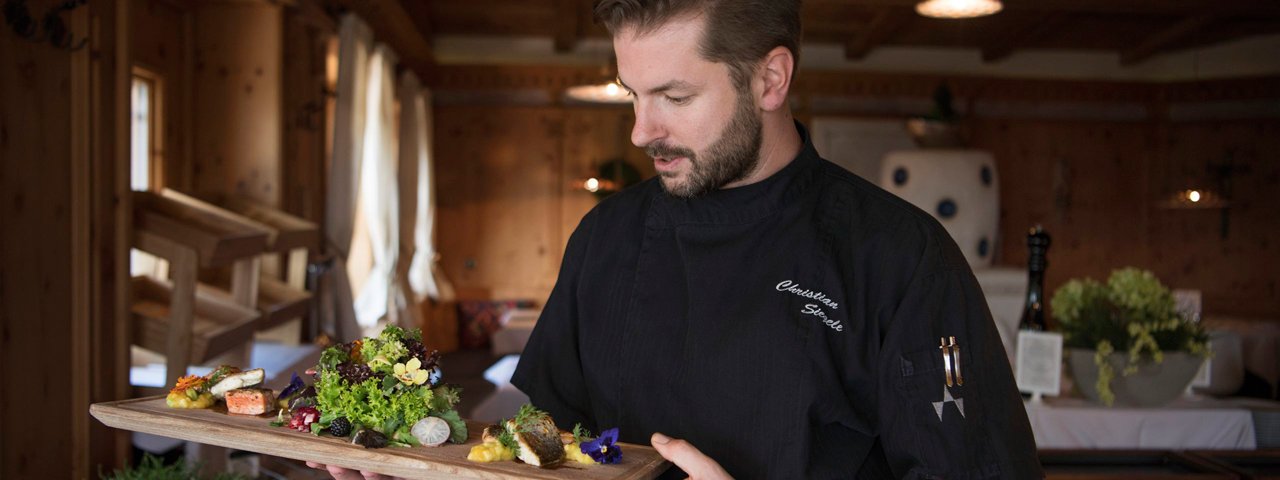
(684, 455)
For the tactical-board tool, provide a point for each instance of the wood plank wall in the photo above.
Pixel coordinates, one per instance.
(35, 290)
(161, 45)
(505, 213)
(237, 108)
(508, 200)
(59, 138)
(1095, 186)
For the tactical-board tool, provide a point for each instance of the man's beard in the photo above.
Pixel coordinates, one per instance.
(733, 157)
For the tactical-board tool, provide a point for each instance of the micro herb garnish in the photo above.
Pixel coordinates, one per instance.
(508, 440)
(581, 434)
(527, 416)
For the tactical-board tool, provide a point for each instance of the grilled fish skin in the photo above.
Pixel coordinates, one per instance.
(539, 441)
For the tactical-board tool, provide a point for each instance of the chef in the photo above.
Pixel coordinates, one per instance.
(754, 310)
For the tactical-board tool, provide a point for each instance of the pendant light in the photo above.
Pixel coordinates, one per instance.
(958, 8)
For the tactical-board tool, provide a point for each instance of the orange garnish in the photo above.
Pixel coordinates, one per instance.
(188, 382)
(355, 351)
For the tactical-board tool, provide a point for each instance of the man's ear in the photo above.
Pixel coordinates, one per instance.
(774, 76)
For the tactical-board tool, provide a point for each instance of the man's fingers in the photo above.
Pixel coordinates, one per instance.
(688, 458)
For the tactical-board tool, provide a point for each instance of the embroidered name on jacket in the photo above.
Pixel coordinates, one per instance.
(813, 308)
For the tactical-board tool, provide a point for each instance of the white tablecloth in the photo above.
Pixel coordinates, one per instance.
(1184, 424)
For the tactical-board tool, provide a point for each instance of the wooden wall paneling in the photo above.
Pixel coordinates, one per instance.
(1074, 157)
(498, 204)
(237, 126)
(594, 135)
(111, 221)
(1083, 181)
(36, 286)
(159, 44)
(303, 163)
(1238, 274)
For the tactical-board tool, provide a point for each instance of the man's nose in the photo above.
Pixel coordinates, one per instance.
(647, 129)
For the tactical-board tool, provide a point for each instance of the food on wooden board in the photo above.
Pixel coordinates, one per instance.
(377, 390)
(532, 437)
(194, 391)
(232, 381)
(250, 401)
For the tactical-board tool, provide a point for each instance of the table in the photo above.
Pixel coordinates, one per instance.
(1185, 424)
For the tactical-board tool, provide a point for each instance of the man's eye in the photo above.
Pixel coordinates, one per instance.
(677, 100)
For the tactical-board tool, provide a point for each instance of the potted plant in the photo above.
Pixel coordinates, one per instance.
(1128, 325)
(941, 127)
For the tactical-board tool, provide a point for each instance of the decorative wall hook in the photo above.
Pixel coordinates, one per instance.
(51, 27)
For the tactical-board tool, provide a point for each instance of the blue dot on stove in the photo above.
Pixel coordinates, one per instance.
(986, 176)
(947, 208)
(983, 246)
(899, 176)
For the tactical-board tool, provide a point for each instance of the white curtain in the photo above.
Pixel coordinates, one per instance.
(418, 221)
(355, 41)
(412, 148)
(378, 192)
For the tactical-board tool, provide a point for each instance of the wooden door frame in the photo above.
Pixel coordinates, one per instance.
(100, 232)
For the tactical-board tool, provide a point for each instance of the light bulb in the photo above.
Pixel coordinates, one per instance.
(592, 185)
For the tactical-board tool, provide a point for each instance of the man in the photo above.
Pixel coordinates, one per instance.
(779, 315)
(755, 311)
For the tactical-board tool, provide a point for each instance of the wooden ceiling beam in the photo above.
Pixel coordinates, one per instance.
(313, 14)
(568, 17)
(1020, 35)
(1160, 41)
(879, 30)
(1139, 7)
(420, 14)
(392, 24)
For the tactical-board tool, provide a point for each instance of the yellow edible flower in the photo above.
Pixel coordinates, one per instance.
(411, 373)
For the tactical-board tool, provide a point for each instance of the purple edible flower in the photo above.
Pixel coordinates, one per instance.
(295, 384)
(604, 448)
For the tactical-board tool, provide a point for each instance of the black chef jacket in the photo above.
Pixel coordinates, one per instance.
(788, 329)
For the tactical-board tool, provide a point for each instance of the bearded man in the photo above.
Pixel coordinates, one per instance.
(756, 311)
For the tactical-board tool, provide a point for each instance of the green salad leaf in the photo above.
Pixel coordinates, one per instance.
(445, 397)
(356, 381)
(457, 427)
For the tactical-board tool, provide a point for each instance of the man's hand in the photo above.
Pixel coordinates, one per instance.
(688, 458)
(340, 473)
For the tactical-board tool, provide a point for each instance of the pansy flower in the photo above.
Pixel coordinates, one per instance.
(604, 449)
(411, 373)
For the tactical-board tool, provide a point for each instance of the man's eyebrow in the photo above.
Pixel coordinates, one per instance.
(671, 85)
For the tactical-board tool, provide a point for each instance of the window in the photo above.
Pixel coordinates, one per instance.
(145, 146)
(145, 153)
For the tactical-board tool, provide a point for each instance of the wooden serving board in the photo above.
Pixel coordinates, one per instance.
(215, 426)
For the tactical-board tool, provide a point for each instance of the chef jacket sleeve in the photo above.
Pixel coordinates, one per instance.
(976, 425)
(550, 368)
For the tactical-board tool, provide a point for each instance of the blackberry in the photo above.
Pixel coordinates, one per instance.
(340, 427)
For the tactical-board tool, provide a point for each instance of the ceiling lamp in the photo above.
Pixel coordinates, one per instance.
(958, 8)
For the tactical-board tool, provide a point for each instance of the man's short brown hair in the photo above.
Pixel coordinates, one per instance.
(738, 33)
